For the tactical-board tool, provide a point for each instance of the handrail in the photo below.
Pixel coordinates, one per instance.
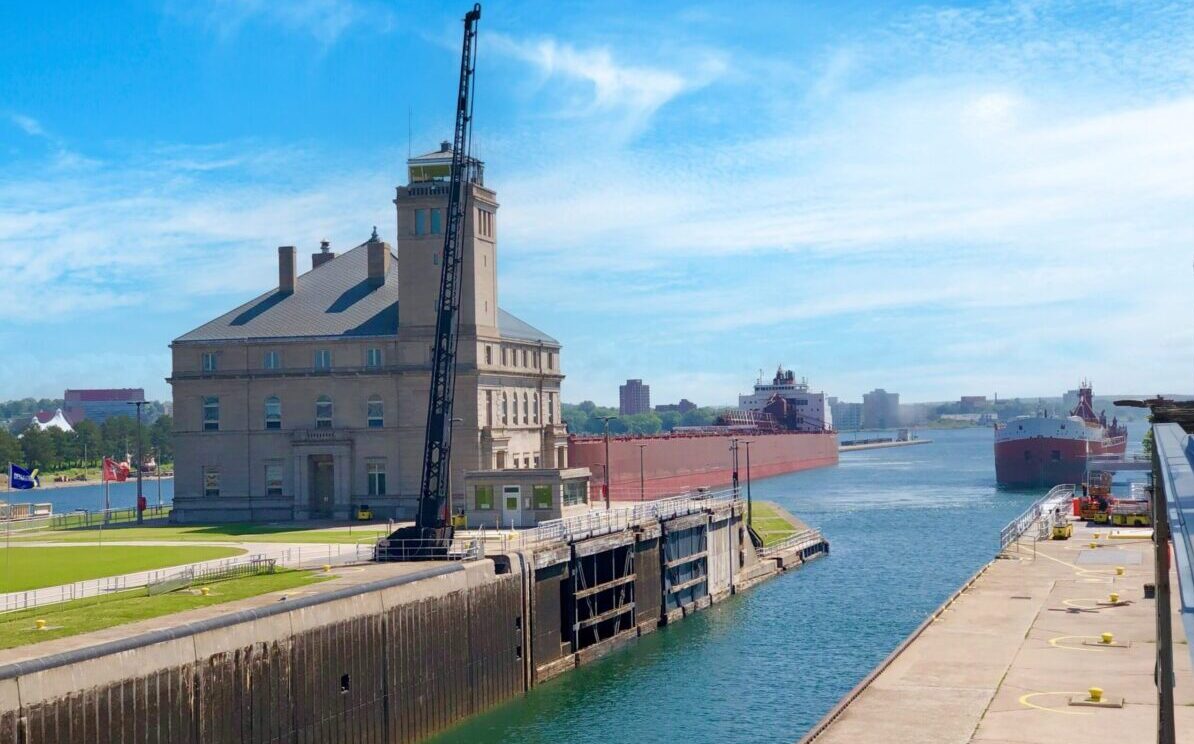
(1018, 526)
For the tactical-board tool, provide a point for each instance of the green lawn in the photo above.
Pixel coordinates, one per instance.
(771, 524)
(236, 532)
(32, 568)
(97, 613)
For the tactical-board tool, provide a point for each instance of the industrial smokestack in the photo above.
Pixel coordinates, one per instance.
(286, 269)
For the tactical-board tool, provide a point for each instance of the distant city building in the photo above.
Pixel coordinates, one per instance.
(684, 406)
(634, 397)
(880, 409)
(100, 405)
(43, 420)
(846, 416)
(972, 403)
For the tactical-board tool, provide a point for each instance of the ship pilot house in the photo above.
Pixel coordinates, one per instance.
(310, 400)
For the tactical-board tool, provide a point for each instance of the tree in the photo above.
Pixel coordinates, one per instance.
(669, 420)
(161, 438)
(91, 440)
(38, 448)
(10, 449)
(699, 417)
(643, 423)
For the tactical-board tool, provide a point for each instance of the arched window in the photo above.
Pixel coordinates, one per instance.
(273, 412)
(551, 408)
(374, 412)
(323, 412)
(535, 408)
(505, 409)
(526, 409)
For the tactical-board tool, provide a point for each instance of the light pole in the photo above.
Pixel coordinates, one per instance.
(140, 460)
(606, 420)
(749, 513)
(642, 481)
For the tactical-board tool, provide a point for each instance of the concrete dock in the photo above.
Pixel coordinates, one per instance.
(1005, 659)
(848, 447)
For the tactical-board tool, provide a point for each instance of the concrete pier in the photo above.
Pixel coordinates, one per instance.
(1013, 655)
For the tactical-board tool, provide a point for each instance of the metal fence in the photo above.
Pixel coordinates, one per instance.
(191, 575)
(84, 518)
(1042, 507)
(799, 541)
(457, 549)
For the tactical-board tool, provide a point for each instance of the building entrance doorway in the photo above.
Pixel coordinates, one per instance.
(323, 486)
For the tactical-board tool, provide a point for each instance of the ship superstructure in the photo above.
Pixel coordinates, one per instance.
(789, 402)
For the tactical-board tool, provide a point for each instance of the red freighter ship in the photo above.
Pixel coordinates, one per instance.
(1044, 451)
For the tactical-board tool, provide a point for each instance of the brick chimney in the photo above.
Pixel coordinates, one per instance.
(325, 254)
(379, 260)
(286, 269)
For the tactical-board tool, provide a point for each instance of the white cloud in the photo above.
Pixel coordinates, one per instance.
(324, 20)
(28, 125)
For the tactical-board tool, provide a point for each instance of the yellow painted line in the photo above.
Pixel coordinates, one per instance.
(1055, 643)
(1025, 700)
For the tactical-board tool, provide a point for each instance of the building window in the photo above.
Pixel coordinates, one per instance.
(511, 496)
(376, 473)
(573, 493)
(1056, 455)
(551, 360)
(273, 412)
(551, 408)
(323, 412)
(211, 482)
(323, 359)
(209, 361)
(211, 414)
(489, 407)
(436, 221)
(524, 358)
(526, 409)
(273, 360)
(504, 362)
(488, 354)
(483, 497)
(505, 410)
(373, 357)
(536, 463)
(535, 408)
(273, 480)
(542, 496)
(374, 412)
(484, 223)
(420, 222)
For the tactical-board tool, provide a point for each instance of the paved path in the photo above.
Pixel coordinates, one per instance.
(1002, 662)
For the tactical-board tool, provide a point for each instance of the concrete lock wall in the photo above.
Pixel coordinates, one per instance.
(388, 664)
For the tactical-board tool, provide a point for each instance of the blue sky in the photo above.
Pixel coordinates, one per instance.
(938, 199)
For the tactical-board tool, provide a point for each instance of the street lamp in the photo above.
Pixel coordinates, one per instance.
(642, 481)
(606, 420)
(749, 512)
(140, 460)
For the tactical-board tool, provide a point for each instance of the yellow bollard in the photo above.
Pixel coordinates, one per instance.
(1096, 535)
(1094, 545)
(327, 568)
(41, 624)
(1107, 638)
(1119, 570)
(1096, 694)
(204, 590)
(1114, 598)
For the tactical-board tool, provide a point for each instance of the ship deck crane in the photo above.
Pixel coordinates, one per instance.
(431, 534)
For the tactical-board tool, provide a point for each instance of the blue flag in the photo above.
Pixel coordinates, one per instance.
(22, 479)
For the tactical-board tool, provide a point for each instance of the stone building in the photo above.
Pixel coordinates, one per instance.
(311, 400)
(634, 397)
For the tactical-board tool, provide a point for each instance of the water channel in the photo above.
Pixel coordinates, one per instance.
(907, 526)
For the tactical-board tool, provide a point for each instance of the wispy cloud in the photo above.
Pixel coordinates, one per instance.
(324, 20)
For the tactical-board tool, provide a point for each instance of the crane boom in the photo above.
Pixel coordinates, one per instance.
(430, 535)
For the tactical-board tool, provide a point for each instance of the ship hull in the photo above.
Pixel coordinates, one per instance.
(673, 464)
(1044, 462)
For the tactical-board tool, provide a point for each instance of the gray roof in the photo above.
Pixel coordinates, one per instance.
(332, 300)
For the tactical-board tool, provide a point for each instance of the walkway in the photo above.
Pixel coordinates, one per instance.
(1003, 661)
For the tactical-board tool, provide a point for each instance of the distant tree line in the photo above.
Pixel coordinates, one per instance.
(87, 445)
(585, 418)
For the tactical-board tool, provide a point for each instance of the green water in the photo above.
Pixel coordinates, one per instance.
(907, 526)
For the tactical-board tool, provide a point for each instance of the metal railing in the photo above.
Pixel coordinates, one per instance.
(1032, 515)
(799, 541)
(191, 575)
(456, 549)
(315, 556)
(85, 518)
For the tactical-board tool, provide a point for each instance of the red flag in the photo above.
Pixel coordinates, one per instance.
(115, 471)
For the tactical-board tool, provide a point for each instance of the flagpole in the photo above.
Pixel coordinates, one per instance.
(7, 529)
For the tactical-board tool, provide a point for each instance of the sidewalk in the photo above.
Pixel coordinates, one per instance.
(1002, 663)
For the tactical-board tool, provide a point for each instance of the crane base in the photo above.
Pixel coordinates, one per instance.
(416, 544)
